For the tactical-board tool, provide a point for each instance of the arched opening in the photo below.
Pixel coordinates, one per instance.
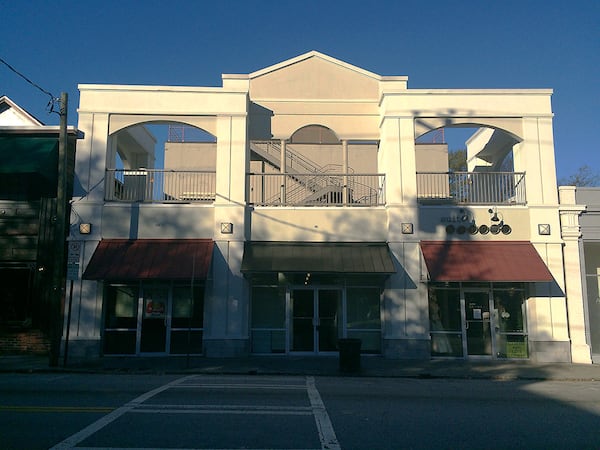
(314, 168)
(468, 163)
(314, 134)
(161, 161)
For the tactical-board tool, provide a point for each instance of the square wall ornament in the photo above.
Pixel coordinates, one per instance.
(544, 229)
(407, 228)
(85, 228)
(226, 228)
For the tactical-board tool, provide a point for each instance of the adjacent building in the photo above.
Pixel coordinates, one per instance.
(32, 229)
(316, 209)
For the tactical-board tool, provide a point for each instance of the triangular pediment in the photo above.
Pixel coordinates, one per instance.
(315, 76)
(13, 115)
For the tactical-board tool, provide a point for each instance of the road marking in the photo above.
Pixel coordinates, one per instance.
(168, 448)
(242, 386)
(220, 411)
(86, 432)
(324, 426)
(59, 409)
(223, 409)
(317, 409)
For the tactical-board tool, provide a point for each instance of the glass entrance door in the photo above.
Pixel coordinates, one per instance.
(155, 313)
(477, 323)
(315, 320)
(330, 302)
(303, 321)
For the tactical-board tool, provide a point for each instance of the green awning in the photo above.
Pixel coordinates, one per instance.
(22, 155)
(318, 257)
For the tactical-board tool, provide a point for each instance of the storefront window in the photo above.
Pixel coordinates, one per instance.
(171, 319)
(592, 278)
(509, 314)
(268, 319)
(322, 308)
(121, 319)
(363, 317)
(445, 322)
(187, 319)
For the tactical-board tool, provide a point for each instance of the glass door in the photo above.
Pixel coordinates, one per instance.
(328, 321)
(155, 313)
(315, 319)
(477, 323)
(303, 322)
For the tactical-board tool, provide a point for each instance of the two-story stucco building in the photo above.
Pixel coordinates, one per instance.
(316, 213)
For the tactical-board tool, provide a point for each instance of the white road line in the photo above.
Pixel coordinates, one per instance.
(242, 386)
(225, 407)
(317, 409)
(86, 432)
(171, 448)
(218, 411)
(326, 432)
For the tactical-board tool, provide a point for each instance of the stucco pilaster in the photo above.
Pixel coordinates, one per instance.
(405, 305)
(232, 158)
(535, 157)
(571, 234)
(405, 296)
(397, 160)
(227, 307)
(91, 157)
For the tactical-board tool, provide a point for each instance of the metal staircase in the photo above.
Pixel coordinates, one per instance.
(312, 183)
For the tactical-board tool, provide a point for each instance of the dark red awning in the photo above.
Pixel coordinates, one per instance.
(515, 261)
(144, 259)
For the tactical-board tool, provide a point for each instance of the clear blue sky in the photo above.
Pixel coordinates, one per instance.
(437, 44)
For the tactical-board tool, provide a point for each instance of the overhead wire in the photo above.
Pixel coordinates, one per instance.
(53, 98)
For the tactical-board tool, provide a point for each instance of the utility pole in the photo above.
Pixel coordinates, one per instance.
(58, 275)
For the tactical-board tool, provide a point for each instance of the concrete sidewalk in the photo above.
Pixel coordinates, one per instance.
(370, 366)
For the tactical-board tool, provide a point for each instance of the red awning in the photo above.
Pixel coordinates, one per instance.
(484, 261)
(143, 259)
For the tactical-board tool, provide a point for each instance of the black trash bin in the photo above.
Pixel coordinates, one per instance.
(349, 354)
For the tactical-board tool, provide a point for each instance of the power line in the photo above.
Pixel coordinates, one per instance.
(53, 98)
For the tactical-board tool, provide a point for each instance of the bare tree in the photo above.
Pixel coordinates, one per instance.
(457, 161)
(584, 176)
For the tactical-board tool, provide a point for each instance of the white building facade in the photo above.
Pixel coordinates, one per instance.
(316, 213)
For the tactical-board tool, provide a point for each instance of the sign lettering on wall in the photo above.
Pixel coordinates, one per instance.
(73, 255)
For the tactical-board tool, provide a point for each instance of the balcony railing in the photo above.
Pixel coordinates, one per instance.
(316, 189)
(487, 188)
(156, 186)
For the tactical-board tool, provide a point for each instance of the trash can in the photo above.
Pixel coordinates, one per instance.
(349, 355)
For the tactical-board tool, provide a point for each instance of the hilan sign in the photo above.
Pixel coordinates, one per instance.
(459, 217)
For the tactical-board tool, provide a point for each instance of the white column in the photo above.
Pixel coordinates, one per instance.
(535, 157)
(282, 158)
(282, 163)
(227, 306)
(345, 170)
(571, 234)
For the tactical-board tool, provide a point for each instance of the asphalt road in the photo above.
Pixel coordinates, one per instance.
(111, 411)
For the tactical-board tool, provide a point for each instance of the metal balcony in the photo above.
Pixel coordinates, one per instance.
(160, 186)
(472, 188)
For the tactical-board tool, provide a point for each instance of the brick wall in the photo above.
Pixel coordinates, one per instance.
(32, 342)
